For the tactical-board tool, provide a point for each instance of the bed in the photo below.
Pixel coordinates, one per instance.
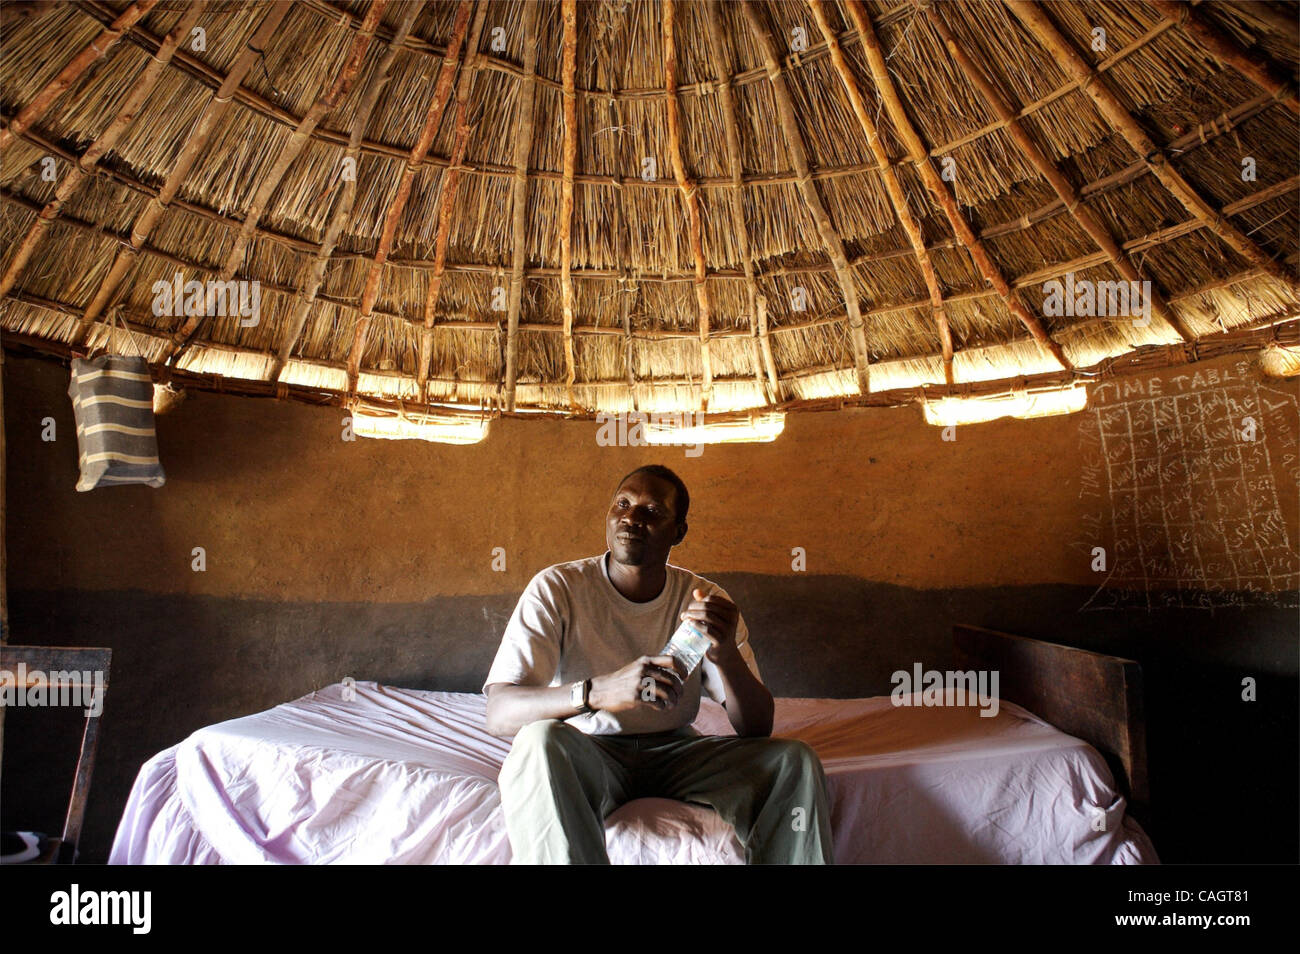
(366, 773)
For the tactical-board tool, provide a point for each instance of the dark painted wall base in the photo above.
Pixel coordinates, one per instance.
(1223, 771)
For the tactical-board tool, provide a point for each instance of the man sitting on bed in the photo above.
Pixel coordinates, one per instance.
(599, 720)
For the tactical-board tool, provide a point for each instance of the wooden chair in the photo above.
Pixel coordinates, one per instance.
(70, 664)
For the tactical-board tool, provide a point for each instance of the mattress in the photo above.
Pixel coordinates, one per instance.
(372, 774)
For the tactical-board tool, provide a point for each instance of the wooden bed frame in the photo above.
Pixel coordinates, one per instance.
(1092, 696)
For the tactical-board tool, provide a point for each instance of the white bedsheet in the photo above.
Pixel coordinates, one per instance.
(405, 776)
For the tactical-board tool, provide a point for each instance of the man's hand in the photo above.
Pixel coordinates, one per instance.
(716, 617)
(648, 681)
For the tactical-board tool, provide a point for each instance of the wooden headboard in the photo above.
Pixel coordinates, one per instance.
(1089, 695)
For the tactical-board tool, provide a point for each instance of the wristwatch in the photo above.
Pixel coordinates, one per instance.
(580, 696)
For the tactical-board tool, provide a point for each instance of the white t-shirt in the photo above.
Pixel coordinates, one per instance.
(572, 623)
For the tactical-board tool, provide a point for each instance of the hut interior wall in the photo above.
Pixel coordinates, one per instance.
(327, 558)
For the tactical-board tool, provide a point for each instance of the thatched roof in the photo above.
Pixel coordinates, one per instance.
(606, 205)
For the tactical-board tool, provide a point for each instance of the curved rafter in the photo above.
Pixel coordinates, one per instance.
(1226, 51)
(937, 188)
(323, 105)
(764, 365)
(519, 199)
(892, 186)
(691, 199)
(91, 53)
(446, 198)
(1099, 234)
(1098, 89)
(432, 119)
(84, 167)
(306, 297)
(148, 219)
(569, 69)
(831, 240)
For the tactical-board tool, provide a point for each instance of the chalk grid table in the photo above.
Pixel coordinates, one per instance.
(1185, 505)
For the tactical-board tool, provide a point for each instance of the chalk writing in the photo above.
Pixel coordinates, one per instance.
(1179, 488)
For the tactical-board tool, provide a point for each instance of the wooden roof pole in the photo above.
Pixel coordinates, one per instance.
(1227, 51)
(629, 285)
(690, 198)
(423, 142)
(305, 297)
(626, 296)
(1086, 218)
(765, 343)
(85, 166)
(1098, 88)
(808, 188)
(519, 224)
(937, 188)
(88, 55)
(569, 10)
(447, 197)
(197, 142)
(298, 139)
(895, 189)
(769, 385)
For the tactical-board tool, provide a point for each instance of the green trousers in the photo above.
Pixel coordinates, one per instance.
(559, 784)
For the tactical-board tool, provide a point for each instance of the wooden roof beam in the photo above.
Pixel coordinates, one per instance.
(626, 298)
(447, 198)
(1086, 218)
(194, 146)
(771, 383)
(84, 167)
(892, 186)
(519, 224)
(690, 198)
(808, 189)
(88, 55)
(1227, 51)
(1097, 87)
(937, 188)
(423, 142)
(569, 64)
(289, 151)
(342, 214)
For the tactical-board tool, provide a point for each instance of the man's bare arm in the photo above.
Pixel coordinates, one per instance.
(749, 705)
(647, 681)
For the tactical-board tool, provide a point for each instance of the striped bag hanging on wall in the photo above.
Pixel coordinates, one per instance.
(112, 401)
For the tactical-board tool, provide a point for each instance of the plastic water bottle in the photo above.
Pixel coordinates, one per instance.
(687, 646)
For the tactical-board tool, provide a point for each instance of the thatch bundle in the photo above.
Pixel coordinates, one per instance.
(604, 206)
